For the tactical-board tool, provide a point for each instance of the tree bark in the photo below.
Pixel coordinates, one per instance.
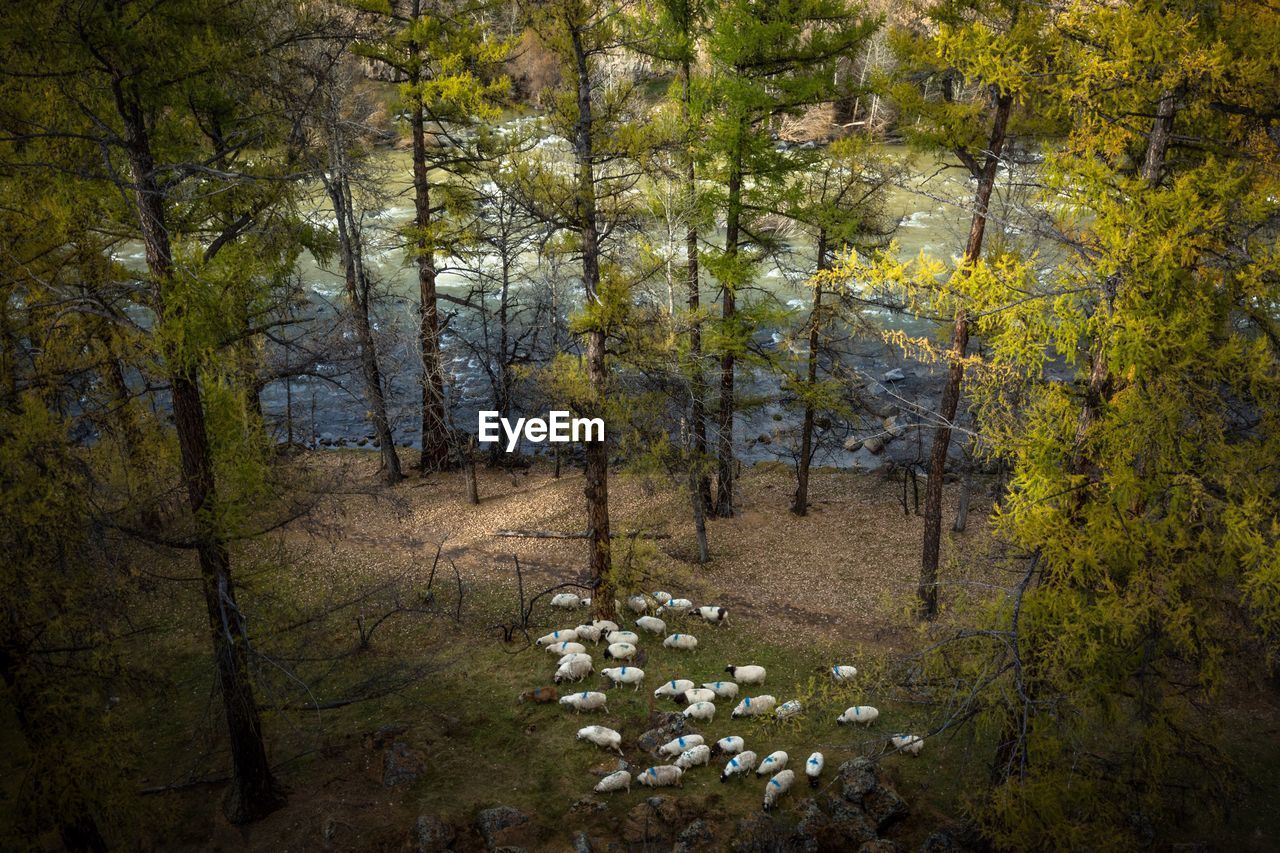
(357, 284)
(800, 506)
(435, 425)
(697, 405)
(253, 792)
(597, 452)
(928, 589)
(725, 468)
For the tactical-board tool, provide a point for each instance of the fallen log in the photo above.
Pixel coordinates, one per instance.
(567, 534)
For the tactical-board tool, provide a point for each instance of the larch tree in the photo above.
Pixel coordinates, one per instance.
(166, 114)
(764, 59)
(447, 64)
(971, 68)
(594, 118)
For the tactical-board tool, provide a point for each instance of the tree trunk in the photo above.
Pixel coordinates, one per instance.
(800, 506)
(962, 512)
(473, 488)
(435, 426)
(697, 406)
(597, 467)
(253, 792)
(725, 467)
(352, 252)
(928, 589)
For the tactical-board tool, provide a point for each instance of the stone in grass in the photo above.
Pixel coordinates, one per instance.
(500, 825)
(401, 765)
(861, 785)
(431, 835)
(652, 822)
(663, 727)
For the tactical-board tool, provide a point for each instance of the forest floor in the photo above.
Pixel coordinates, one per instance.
(804, 593)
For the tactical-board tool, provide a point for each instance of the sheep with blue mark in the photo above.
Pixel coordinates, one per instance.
(675, 746)
(662, 776)
(587, 700)
(755, 706)
(777, 786)
(686, 642)
(742, 763)
(813, 768)
(624, 675)
(698, 756)
(602, 736)
(773, 762)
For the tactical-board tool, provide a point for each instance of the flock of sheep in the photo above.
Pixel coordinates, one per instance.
(575, 664)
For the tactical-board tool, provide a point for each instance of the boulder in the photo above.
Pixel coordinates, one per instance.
(663, 727)
(880, 845)
(894, 375)
(401, 765)
(500, 825)
(894, 427)
(651, 822)
(874, 444)
(582, 843)
(861, 785)
(940, 842)
(852, 443)
(696, 836)
(847, 826)
(431, 835)
(755, 835)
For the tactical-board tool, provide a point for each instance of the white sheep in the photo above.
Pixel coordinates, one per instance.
(652, 624)
(694, 696)
(674, 747)
(588, 632)
(910, 744)
(624, 675)
(714, 614)
(789, 709)
(663, 775)
(743, 762)
(746, 674)
(673, 688)
(754, 706)
(572, 656)
(704, 711)
(773, 762)
(566, 648)
(566, 601)
(864, 714)
(723, 689)
(638, 604)
(605, 626)
(573, 670)
(730, 745)
(620, 651)
(687, 642)
(842, 674)
(623, 637)
(698, 756)
(680, 606)
(616, 781)
(662, 597)
(777, 786)
(587, 700)
(813, 768)
(566, 636)
(602, 736)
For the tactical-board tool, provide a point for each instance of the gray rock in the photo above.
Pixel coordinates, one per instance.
(940, 842)
(499, 824)
(431, 835)
(852, 443)
(874, 444)
(664, 727)
(894, 375)
(401, 765)
(696, 834)
(582, 843)
(880, 845)
(861, 785)
(652, 822)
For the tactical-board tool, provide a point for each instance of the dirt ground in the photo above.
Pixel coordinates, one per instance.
(848, 568)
